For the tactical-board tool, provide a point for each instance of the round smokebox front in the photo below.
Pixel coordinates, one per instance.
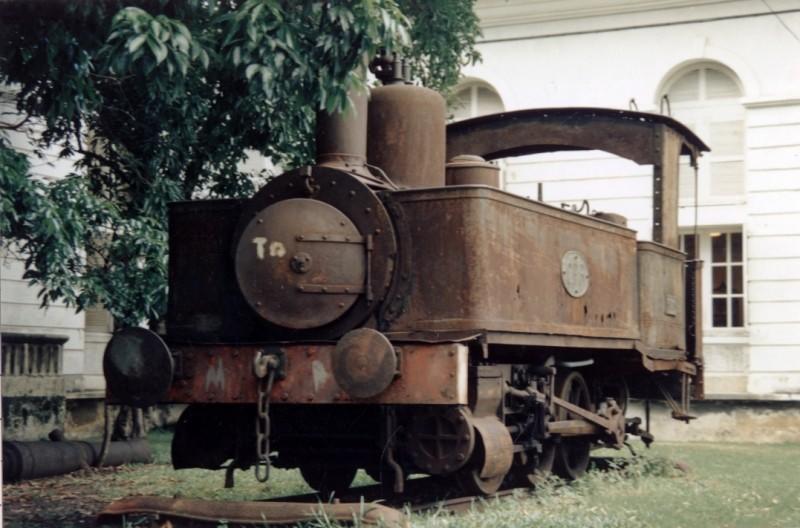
(301, 263)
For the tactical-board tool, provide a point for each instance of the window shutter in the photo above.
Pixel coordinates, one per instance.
(726, 138)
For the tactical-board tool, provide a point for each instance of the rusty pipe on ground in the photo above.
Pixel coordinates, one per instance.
(29, 460)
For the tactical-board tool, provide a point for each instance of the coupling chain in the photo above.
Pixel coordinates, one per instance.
(265, 367)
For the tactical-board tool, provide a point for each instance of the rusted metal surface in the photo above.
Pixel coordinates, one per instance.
(573, 428)
(407, 135)
(662, 318)
(361, 206)
(205, 302)
(423, 495)
(342, 136)
(647, 139)
(471, 170)
(137, 366)
(497, 267)
(249, 513)
(667, 144)
(30, 460)
(341, 140)
(441, 440)
(498, 447)
(609, 418)
(429, 374)
(694, 322)
(364, 363)
(624, 133)
(301, 263)
(662, 365)
(383, 310)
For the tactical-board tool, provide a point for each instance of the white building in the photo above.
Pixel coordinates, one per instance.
(51, 358)
(731, 72)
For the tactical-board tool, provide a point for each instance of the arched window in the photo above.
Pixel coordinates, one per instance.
(706, 97)
(473, 99)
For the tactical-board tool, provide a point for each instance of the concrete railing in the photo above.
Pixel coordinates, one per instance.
(31, 354)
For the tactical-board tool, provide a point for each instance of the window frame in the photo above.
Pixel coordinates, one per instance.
(473, 85)
(699, 115)
(711, 333)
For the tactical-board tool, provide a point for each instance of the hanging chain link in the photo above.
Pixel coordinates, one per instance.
(265, 367)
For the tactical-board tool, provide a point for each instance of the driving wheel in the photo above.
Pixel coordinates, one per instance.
(532, 469)
(572, 453)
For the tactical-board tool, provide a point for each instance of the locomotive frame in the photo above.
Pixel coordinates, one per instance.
(345, 322)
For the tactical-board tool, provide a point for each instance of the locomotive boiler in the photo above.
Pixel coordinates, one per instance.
(386, 311)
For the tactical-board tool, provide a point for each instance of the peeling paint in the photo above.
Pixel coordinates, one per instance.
(215, 376)
(319, 374)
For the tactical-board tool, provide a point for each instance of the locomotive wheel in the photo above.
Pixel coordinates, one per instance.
(470, 481)
(327, 480)
(469, 477)
(572, 453)
(534, 468)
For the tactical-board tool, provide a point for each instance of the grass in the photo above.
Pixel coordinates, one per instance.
(727, 486)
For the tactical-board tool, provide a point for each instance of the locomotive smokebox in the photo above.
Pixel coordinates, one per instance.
(407, 134)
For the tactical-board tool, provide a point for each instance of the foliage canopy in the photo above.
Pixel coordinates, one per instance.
(159, 101)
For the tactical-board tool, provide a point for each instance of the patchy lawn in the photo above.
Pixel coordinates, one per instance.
(727, 485)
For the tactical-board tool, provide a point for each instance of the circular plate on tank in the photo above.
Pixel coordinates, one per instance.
(575, 273)
(364, 363)
(301, 263)
(362, 207)
(138, 367)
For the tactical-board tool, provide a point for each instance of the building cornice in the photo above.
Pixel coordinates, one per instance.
(764, 102)
(494, 13)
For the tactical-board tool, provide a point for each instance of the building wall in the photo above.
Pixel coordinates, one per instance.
(19, 303)
(623, 54)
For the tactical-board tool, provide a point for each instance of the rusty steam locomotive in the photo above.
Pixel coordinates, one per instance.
(384, 310)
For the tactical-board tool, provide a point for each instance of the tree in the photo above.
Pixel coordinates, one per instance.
(158, 101)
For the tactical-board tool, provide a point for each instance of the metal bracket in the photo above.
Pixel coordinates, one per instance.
(679, 411)
(267, 359)
(332, 289)
(613, 427)
(334, 239)
(605, 423)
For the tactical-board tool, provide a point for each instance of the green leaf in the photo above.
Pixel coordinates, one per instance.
(164, 131)
(251, 70)
(136, 43)
(158, 50)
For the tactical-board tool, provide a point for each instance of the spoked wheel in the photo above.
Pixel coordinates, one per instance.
(327, 480)
(572, 453)
(533, 469)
